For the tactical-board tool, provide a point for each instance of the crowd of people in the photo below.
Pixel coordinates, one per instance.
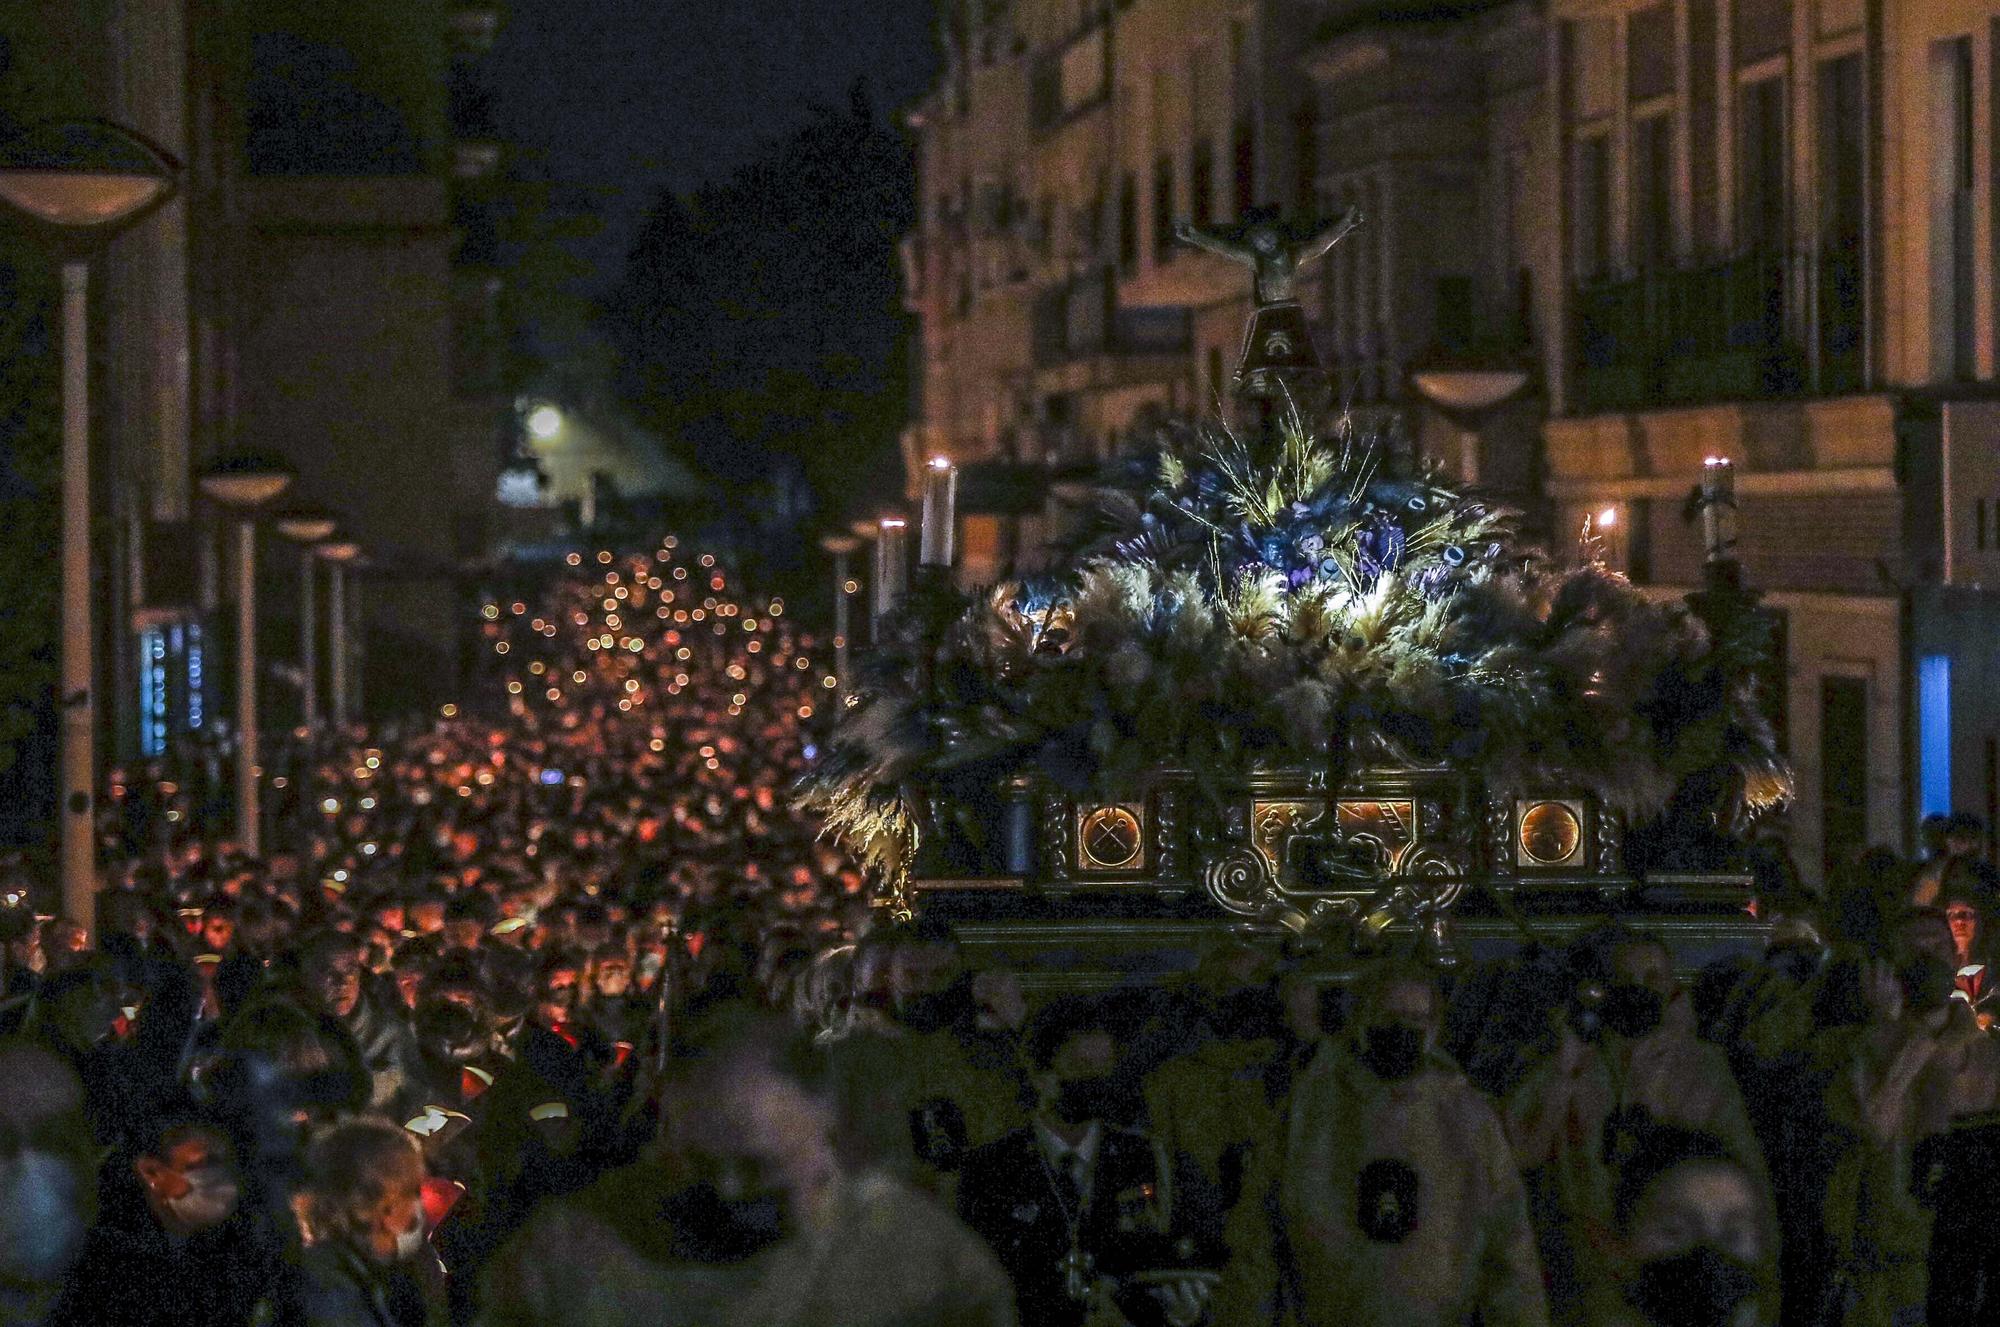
(550, 1009)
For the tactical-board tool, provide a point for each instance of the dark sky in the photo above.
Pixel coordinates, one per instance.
(621, 96)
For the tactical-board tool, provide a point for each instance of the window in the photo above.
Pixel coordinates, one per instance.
(1593, 207)
(1243, 161)
(1454, 321)
(1163, 210)
(1843, 763)
(1842, 294)
(1704, 168)
(1653, 191)
(1201, 181)
(1762, 202)
(1951, 209)
(1639, 541)
(1128, 223)
(1934, 734)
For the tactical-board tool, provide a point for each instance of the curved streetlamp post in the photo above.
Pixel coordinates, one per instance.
(1466, 387)
(75, 184)
(306, 527)
(243, 483)
(340, 554)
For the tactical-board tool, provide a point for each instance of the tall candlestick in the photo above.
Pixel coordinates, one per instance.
(940, 513)
(892, 567)
(1718, 508)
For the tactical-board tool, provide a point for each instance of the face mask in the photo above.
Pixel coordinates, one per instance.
(447, 1030)
(1928, 982)
(710, 1228)
(1392, 1051)
(1247, 1014)
(1703, 1287)
(411, 1241)
(209, 1201)
(928, 1013)
(41, 1218)
(1081, 1100)
(1632, 1010)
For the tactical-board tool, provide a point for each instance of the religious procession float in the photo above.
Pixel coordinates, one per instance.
(1288, 680)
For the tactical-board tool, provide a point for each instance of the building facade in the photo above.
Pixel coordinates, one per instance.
(1758, 229)
(321, 289)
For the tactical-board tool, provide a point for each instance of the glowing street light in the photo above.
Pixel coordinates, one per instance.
(75, 185)
(307, 526)
(243, 483)
(545, 421)
(340, 554)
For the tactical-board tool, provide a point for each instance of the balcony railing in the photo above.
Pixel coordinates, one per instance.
(1721, 331)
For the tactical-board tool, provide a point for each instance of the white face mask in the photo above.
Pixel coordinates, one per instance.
(411, 1241)
(210, 1199)
(41, 1217)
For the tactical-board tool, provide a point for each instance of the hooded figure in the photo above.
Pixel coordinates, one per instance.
(1392, 1197)
(1577, 1115)
(745, 1215)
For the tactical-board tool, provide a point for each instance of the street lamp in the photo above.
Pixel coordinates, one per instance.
(243, 483)
(843, 547)
(340, 554)
(306, 526)
(1465, 387)
(75, 185)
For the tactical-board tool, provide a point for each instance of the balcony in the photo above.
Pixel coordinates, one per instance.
(1082, 318)
(1721, 331)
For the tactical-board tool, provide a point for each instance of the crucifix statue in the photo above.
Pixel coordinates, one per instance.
(1274, 249)
(1278, 362)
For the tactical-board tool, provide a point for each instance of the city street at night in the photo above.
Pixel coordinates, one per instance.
(999, 663)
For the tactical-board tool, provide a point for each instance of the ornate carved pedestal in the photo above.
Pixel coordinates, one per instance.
(1086, 891)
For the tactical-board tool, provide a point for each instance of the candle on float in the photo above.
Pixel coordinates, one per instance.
(1718, 508)
(892, 567)
(940, 527)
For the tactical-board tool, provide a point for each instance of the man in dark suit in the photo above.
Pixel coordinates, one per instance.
(1079, 1209)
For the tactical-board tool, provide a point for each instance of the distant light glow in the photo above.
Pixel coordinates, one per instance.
(1607, 518)
(545, 421)
(1934, 734)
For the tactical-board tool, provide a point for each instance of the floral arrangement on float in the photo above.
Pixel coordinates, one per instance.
(1292, 675)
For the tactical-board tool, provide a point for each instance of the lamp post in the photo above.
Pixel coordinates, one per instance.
(307, 526)
(842, 546)
(339, 555)
(1466, 387)
(242, 484)
(75, 185)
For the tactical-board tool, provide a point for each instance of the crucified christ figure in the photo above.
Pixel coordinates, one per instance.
(1273, 249)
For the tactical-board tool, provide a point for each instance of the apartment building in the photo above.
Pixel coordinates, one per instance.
(1759, 229)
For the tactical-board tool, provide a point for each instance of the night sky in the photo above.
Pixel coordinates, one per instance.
(618, 97)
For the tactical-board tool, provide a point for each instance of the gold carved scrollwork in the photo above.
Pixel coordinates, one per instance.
(1241, 880)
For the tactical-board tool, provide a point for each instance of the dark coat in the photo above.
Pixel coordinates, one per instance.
(1014, 1200)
